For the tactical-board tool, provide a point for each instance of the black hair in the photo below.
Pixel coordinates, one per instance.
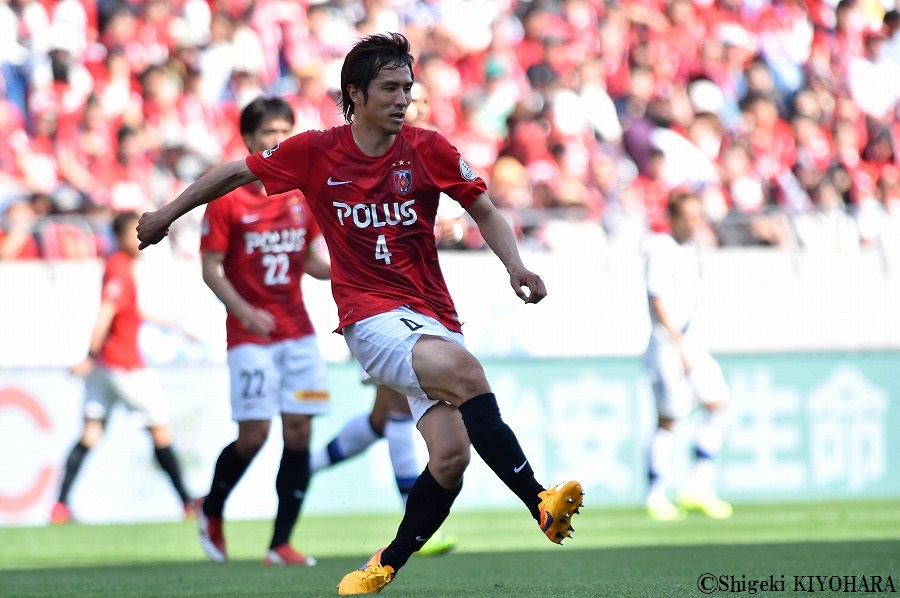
(120, 222)
(262, 109)
(124, 132)
(677, 199)
(368, 57)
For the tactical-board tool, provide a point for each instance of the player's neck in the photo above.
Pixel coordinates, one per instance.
(372, 141)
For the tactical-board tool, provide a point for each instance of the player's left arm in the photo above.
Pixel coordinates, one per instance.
(500, 238)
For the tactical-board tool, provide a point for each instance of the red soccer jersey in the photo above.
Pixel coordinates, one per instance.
(377, 214)
(264, 240)
(120, 348)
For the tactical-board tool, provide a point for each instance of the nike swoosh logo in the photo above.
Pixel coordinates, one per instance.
(332, 183)
(520, 467)
(249, 219)
(421, 539)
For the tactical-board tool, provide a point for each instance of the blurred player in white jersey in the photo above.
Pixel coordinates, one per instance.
(681, 369)
(255, 250)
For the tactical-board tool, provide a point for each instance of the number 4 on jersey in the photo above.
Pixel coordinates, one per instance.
(381, 250)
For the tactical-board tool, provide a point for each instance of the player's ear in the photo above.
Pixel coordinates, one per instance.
(356, 95)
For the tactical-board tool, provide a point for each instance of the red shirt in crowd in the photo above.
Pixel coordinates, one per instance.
(120, 348)
(264, 240)
(377, 214)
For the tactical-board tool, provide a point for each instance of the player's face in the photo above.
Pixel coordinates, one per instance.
(271, 132)
(389, 97)
(689, 221)
(419, 111)
(128, 239)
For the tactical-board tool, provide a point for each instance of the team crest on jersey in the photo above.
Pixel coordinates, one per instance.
(403, 181)
(270, 151)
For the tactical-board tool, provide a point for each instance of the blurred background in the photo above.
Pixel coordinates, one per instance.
(582, 116)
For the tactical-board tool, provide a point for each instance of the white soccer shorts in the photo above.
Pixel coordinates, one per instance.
(284, 377)
(676, 393)
(383, 344)
(139, 390)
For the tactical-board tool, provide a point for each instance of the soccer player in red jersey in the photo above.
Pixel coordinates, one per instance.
(115, 371)
(373, 185)
(254, 251)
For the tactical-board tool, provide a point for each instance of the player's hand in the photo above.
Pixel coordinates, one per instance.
(685, 364)
(258, 322)
(152, 228)
(83, 367)
(520, 278)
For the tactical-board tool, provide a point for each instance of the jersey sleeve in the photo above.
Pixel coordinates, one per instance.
(284, 167)
(216, 225)
(115, 281)
(658, 274)
(450, 172)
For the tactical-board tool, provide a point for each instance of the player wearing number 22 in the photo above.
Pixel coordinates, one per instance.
(374, 186)
(254, 251)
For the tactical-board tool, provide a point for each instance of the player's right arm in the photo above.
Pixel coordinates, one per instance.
(154, 226)
(256, 321)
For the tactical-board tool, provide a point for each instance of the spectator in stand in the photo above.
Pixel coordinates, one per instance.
(17, 241)
(878, 216)
(873, 79)
(827, 226)
(178, 72)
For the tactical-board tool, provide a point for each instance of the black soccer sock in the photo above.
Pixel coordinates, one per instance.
(426, 509)
(167, 460)
(73, 465)
(497, 445)
(290, 484)
(230, 466)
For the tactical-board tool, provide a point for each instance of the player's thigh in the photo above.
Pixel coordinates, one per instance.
(707, 379)
(448, 371)
(255, 382)
(141, 391)
(383, 345)
(671, 388)
(304, 379)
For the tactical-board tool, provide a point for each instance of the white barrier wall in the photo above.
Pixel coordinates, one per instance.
(757, 301)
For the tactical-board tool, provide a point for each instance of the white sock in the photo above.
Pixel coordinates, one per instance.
(399, 432)
(708, 444)
(659, 462)
(356, 436)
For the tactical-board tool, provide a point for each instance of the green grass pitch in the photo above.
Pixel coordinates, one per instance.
(615, 552)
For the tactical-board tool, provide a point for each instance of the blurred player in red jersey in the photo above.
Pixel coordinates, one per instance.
(115, 371)
(374, 186)
(255, 250)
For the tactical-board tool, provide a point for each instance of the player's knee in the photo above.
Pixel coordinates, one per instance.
(666, 423)
(448, 467)
(251, 440)
(469, 379)
(296, 432)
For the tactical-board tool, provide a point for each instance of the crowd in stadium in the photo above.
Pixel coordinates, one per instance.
(581, 115)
